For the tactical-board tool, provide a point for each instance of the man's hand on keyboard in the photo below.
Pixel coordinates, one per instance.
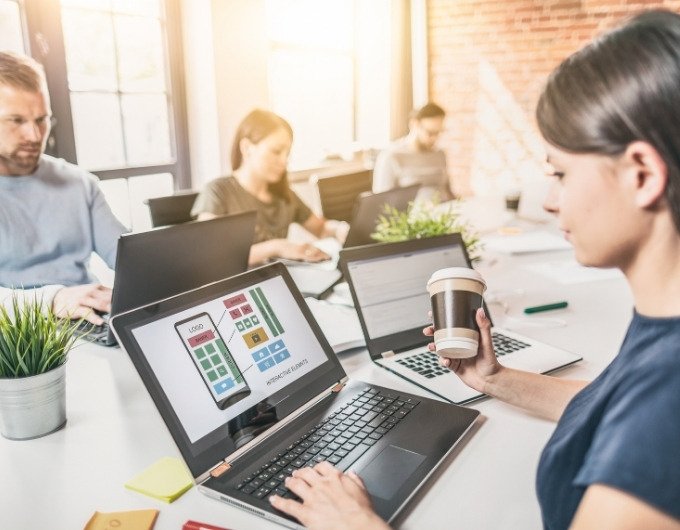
(82, 301)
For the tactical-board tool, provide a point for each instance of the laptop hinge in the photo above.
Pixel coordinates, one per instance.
(220, 469)
(387, 354)
(337, 388)
(225, 465)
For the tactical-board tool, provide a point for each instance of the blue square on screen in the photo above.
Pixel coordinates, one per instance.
(276, 346)
(260, 354)
(266, 364)
(223, 386)
(281, 356)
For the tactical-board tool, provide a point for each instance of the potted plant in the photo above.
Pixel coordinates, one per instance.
(426, 219)
(34, 344)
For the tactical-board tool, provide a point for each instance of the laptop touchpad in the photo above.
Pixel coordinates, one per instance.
(385, 474)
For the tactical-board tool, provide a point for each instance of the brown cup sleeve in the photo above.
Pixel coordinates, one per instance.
(455, 309)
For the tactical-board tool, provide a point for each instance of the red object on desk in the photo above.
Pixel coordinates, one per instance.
(195, 525)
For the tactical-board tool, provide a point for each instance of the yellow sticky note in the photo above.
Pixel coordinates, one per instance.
(166, 480)
(132, 520)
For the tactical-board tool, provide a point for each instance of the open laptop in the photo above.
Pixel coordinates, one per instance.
(316, 280)
(370, 206)
(166, 261)
(388, 286)
(250, 391)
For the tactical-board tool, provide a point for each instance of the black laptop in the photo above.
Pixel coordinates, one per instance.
(370, 206)
(251, 390)
(162, 262)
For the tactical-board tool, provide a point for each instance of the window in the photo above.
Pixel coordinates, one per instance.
(115, 94)
(311, 74)
(315, 65)
(11, 34)
(117, 83)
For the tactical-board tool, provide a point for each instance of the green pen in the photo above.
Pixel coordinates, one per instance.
(546, 307)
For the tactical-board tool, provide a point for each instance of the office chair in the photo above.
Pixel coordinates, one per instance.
(171, 209)
(338, 193)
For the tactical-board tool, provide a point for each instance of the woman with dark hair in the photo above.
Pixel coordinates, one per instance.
(610, 115)
(259, 158)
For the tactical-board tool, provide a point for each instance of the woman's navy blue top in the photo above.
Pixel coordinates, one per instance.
(622, 430)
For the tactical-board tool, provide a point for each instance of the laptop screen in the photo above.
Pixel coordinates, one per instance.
(392, 290)
(389, 286)
(227, 361)
(206, 256)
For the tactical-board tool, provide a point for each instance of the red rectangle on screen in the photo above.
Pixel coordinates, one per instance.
(235, 300)
(199, 339)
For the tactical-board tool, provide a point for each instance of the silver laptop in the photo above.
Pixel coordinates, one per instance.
(250, 390)
(388, 286)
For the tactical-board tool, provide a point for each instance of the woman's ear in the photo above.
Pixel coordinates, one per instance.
(647, 173)
(245, 145)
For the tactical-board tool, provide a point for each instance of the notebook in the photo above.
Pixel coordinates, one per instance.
(250, 390)
(316, 279)
(165, 261)
(388, 286)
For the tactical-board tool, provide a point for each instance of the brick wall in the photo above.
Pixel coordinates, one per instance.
(488, 62)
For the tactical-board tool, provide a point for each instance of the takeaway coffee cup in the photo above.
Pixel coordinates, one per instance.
(456, 294)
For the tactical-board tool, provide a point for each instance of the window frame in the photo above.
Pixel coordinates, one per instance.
(43, 27)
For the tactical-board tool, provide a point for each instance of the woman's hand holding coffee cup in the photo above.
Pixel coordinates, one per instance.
(473, 371)
(461, 330)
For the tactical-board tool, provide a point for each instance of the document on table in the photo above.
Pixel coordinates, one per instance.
(571, 272)
(525, 242)
(340, 324)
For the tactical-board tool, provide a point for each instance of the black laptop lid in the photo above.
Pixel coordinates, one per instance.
(160, 263)
(228, 360)
(388, 283)
(370, 206)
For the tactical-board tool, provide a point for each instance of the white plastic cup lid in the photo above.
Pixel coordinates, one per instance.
(457, 273)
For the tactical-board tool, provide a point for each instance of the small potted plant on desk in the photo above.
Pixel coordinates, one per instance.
(34, 344)
(426, 219)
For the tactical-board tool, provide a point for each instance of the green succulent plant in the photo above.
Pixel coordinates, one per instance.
(33, 340)
(426, 219)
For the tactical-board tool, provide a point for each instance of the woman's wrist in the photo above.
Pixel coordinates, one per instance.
(492, 380)
(336, 229)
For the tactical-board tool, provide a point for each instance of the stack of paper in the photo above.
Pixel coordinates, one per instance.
(340, 324)
(166, 480)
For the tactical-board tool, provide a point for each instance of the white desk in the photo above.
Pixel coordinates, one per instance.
(114, 431)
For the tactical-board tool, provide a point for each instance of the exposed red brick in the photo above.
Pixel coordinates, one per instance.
(487, 52)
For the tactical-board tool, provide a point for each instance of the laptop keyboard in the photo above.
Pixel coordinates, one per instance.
(93, 333)
(427, 363)
(503, 345)
(341, 438)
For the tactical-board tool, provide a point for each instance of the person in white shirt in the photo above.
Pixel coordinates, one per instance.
(415, 158)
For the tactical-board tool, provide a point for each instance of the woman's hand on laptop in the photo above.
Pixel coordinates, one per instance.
(301, 252)
(331, 500)
(81, 301)
(473, 371)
